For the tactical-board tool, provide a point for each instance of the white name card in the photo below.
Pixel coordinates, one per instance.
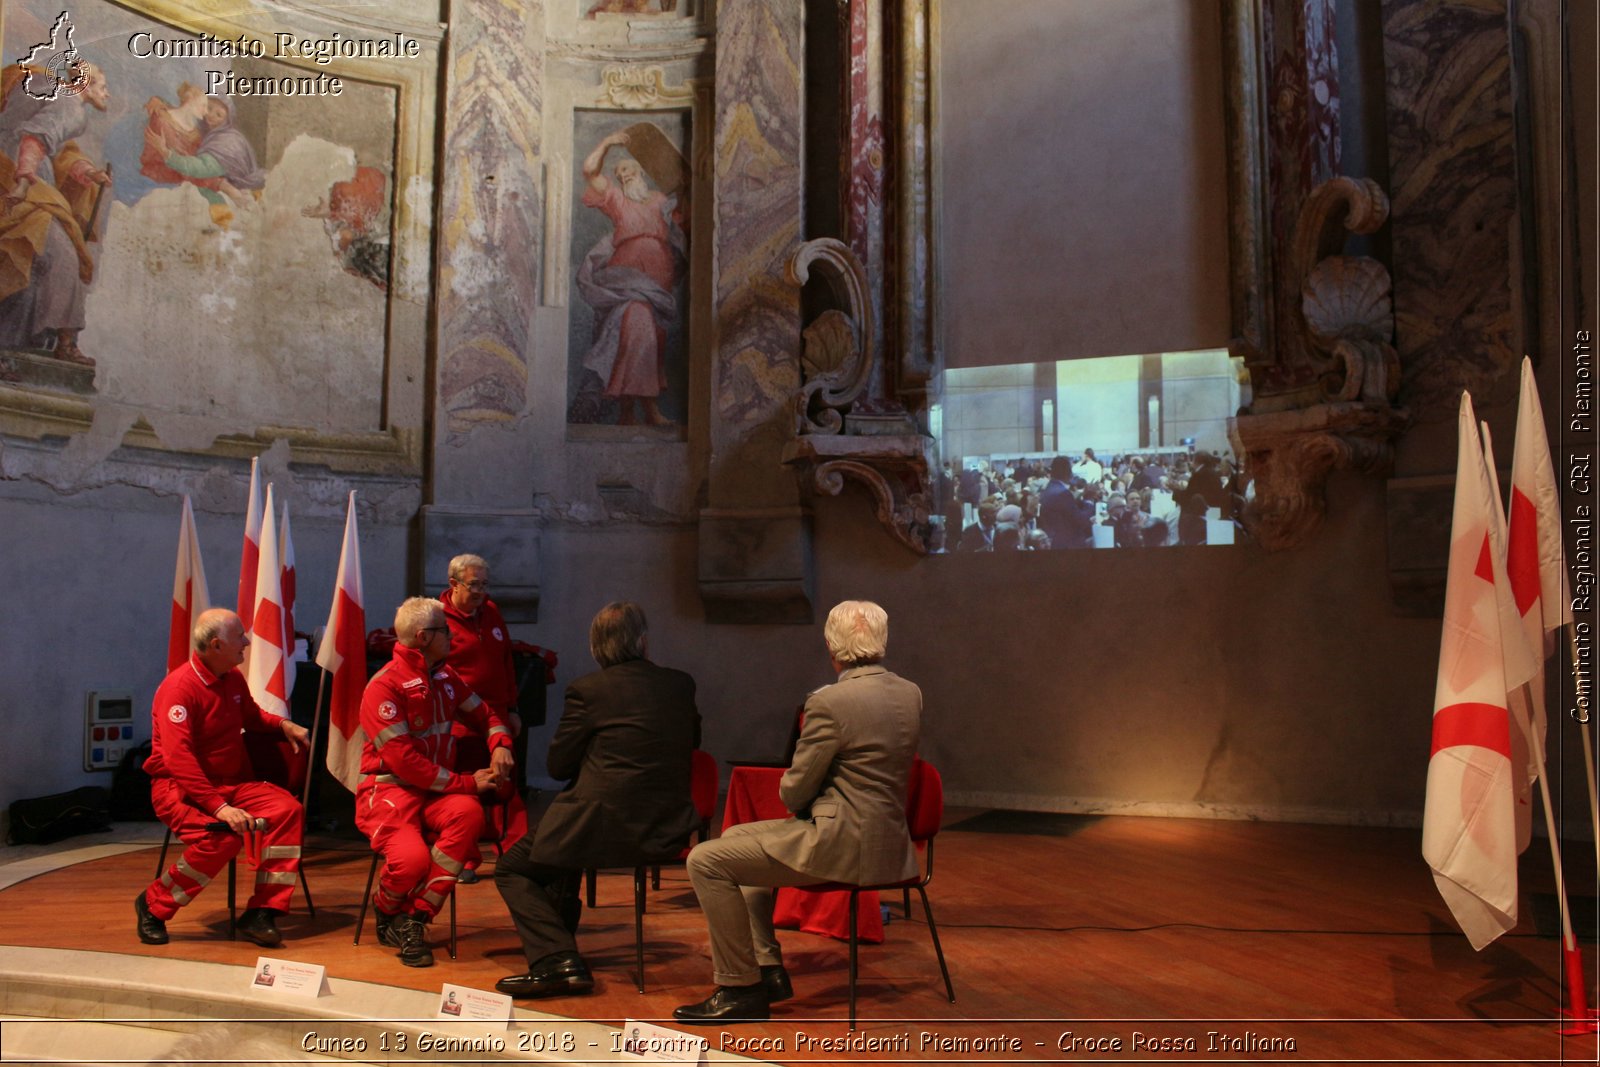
(457, 1002)
(646, 1042)
(286, 978)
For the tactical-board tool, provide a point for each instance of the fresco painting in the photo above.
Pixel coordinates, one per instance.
(628, 326)
(139, 251)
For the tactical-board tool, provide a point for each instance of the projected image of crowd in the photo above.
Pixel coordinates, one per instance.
(1145, 499)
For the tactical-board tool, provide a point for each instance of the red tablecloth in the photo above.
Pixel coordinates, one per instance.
(753, 796)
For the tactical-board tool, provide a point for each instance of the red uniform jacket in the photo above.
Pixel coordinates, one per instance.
(480, 652)
(195, 736)
(407, 713)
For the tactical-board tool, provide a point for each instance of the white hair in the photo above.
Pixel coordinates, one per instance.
(414, 615)
(857, 631)
(459, 565)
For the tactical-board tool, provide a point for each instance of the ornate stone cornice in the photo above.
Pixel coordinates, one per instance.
(1346, 419)
(635, 88)
(840, 435)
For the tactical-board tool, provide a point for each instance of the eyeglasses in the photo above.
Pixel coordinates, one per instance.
(434, 629)
(472, 587)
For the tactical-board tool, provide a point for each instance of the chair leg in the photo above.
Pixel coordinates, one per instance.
(855, 897)
(588, 887)
(905, 902)
(161, 860)
(233, 900)
(366, 898)
(937, 950)
(452, 922)
(655, 878)
(305, 890)
(638, 922)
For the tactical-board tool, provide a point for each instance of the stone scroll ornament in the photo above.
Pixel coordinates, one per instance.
(1344, 330)
(886, 454)
(836, 360)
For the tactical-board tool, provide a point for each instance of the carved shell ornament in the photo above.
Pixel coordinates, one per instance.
(830, 344)
(1348, 296)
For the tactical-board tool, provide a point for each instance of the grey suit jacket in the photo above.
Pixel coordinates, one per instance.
(847, 783)
(625, 741)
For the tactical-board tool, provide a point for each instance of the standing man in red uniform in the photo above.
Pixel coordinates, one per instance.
(200, 774)
(480, 652)
(407, 785)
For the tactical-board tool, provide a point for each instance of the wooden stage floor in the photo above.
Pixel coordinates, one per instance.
(1098, 938)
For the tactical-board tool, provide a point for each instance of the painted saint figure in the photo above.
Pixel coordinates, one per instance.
(629, 278)
(222, 161)
(49, 192)
(174, 129)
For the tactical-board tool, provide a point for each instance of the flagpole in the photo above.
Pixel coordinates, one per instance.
(1580, 712)
(316, 725)
(1577, 982)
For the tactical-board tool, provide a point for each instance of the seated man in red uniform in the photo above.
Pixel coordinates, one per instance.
(480, 652)
(407, 786)
(200, 775)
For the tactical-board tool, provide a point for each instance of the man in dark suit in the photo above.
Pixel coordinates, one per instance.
(847, 789)
(625, 741)
(1063, 514)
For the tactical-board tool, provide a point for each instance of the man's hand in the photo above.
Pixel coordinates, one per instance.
(485, 778)
(502, 763)
(295, 734)
(238, 820)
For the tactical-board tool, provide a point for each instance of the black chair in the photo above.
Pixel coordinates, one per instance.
(366, 899)
(703, 784)
(277, 762)
(924, 813)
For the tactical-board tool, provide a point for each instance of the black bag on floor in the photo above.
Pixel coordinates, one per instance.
(40, 820)
(130, 786)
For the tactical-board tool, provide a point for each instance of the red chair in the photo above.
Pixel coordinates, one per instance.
(703, 783)
(924, 813)
(274, 760)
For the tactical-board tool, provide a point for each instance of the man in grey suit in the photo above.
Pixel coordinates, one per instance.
(847, 789)
(625, 739)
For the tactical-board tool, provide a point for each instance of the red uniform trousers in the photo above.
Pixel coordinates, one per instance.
(210, 850)
(418, 877)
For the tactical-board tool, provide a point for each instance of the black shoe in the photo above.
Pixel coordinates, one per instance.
(256, 925)
(729, 1004)
(468, 876)
(775, 978)
(560, 974)
(412, 933)
(388, 928)
(152, 931)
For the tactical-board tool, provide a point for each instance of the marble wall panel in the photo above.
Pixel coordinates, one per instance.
(489, 243)
(758, 193)
(1454, 197)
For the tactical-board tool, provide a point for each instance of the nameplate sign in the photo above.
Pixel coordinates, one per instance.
(459, 1003)
(286, 978)
(646, 1042)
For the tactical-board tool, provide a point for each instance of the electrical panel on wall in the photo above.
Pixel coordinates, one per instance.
(107, 728)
